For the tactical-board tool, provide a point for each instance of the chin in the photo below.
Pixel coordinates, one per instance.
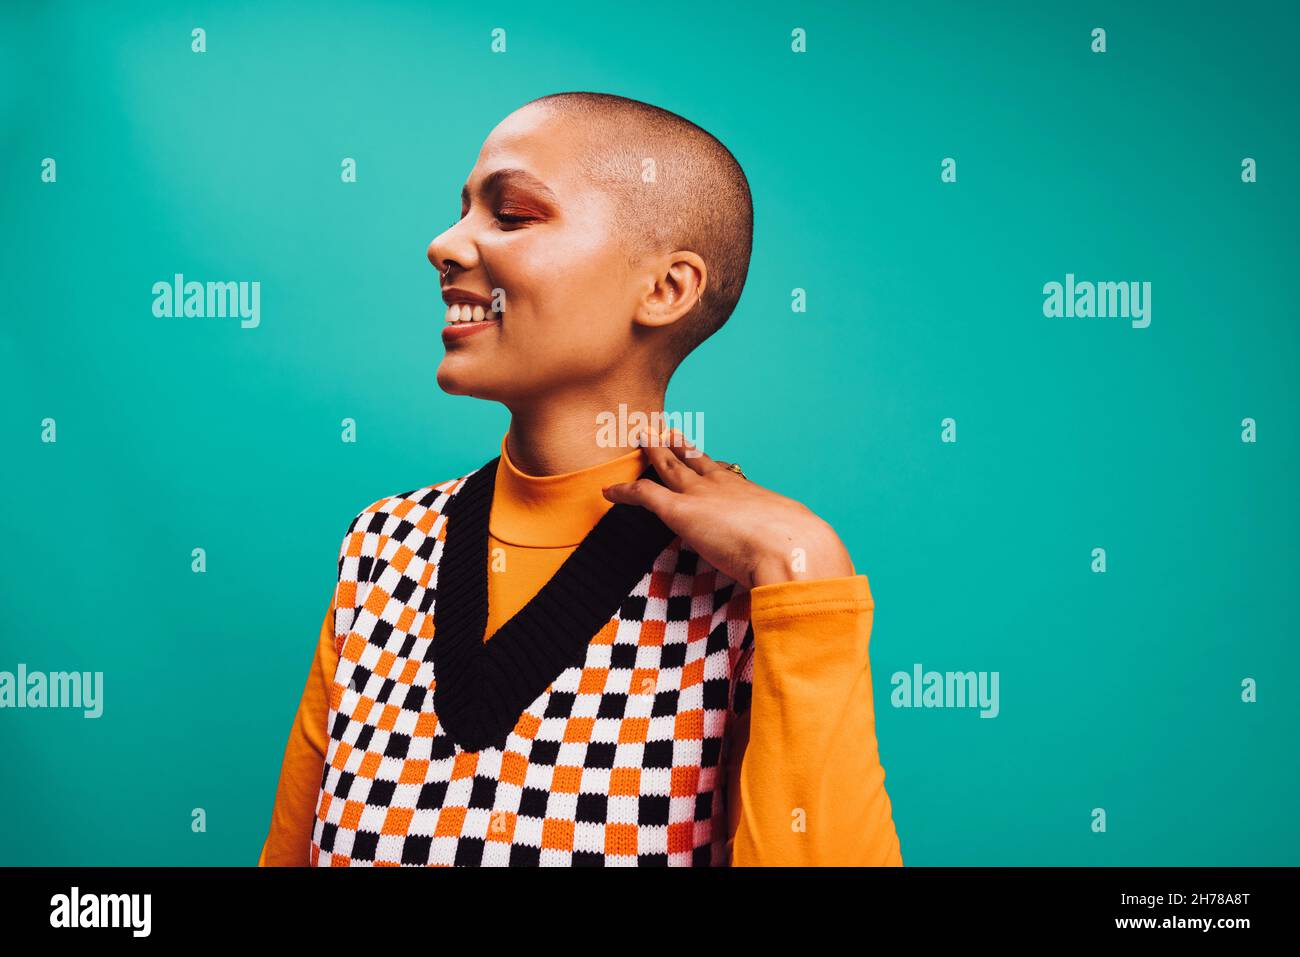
(451, 381)
(455, 379)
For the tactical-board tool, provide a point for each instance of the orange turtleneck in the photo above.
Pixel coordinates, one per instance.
(536, 522)
(805, 790)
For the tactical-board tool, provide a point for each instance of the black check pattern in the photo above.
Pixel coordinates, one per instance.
(619, 762)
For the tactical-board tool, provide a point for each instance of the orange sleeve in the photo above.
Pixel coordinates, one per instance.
(288, 844)
(805, 775)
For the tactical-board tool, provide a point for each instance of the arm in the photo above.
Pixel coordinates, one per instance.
(810, 788)
(288, 844)
(806, 786)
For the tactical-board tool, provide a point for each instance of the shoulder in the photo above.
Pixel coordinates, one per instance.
(394, 508)
(384, 514)
(397, 516)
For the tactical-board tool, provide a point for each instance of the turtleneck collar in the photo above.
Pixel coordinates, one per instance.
(555, 511)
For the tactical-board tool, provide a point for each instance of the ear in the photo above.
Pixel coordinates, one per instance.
(674, 283)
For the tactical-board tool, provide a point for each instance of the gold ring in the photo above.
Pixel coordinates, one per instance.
(733, 467)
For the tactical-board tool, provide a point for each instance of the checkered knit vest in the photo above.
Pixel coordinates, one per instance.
(591, 728)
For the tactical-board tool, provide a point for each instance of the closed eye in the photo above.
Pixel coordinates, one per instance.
(507, 218)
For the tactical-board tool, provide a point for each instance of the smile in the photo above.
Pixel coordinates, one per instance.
(461, 312)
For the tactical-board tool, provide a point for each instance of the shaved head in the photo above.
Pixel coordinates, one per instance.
(676, 187)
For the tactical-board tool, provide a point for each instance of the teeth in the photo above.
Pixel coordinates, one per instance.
(464, 312)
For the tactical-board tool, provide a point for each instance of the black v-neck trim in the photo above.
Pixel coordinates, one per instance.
(481, 688)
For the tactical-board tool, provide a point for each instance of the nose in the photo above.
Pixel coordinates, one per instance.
(452, 247)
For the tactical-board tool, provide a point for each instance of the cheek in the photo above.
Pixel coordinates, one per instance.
(565, 287)
(588, 290)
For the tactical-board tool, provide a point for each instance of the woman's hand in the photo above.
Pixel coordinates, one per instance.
(747, 532)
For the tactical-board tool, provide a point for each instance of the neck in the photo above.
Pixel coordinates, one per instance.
(555, 437)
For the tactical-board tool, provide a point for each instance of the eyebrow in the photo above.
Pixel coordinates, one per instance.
(502, 177)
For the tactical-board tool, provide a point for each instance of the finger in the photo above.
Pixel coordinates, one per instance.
(645, 493)
(675, 475)
(687, 453)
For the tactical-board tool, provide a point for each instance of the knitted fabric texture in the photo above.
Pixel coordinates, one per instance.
(591, 728)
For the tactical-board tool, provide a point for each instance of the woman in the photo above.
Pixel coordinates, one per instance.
(589, 651)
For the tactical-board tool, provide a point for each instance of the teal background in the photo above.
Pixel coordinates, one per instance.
(1119, 691)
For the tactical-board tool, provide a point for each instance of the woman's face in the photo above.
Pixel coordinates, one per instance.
(535, 239)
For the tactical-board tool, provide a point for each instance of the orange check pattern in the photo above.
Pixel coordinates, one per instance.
(619, 762)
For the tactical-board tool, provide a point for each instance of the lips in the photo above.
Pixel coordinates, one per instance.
(455, 331)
